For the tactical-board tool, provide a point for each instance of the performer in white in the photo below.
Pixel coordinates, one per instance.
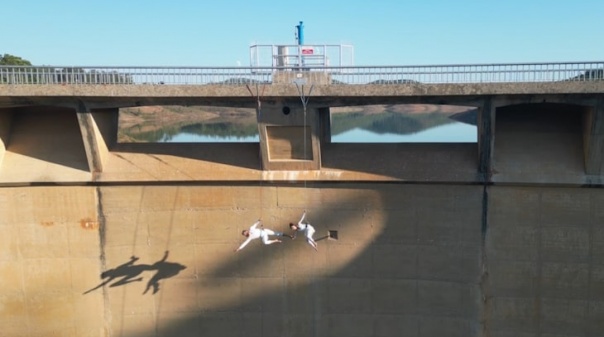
(254, 233)
(306, 228)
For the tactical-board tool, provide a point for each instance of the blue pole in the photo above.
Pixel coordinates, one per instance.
(300, 29)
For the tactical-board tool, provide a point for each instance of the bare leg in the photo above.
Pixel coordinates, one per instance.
(312, 243)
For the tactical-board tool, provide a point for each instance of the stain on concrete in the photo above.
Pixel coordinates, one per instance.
(88, 223)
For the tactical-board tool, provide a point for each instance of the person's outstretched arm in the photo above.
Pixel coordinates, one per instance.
(250, 237)
(301, 222)
(244, 243)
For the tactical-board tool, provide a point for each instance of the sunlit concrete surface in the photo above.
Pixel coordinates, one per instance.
(239, 95)
(398, 258)
(412, 258)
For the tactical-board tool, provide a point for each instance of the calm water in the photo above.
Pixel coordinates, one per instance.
(451, 133)
(185, 137)
(354, 127)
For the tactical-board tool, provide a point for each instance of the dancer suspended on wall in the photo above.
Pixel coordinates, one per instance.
(257, 231)
(305, 228)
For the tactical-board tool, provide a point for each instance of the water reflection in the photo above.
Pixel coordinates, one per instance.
(450, 133)
(356, 127)
(219, 132)
(393, 127)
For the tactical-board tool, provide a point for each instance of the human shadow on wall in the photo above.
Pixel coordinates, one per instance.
(410, 253)
(164, 270)
(232, 319)
(128, 272)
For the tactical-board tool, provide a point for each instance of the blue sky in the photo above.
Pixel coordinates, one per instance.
(219, 33)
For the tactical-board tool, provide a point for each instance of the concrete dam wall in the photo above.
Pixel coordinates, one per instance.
(498, 238)
(410, 260)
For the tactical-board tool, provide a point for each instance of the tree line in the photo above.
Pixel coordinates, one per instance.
(31, 74)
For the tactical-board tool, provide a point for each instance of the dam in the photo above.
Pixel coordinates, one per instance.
(501, 237)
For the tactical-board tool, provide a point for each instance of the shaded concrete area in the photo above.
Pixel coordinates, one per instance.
(6, 116)
(537, 143)
(44, 145)
(544, 252)
(407, 162)
(593, 123)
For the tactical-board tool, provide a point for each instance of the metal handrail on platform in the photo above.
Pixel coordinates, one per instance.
(350, 75)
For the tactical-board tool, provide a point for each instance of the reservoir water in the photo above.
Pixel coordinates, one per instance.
(451, 133)
(349, 127)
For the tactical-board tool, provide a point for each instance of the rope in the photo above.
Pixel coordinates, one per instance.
(258, 113)
(304, 99)
(161, 295)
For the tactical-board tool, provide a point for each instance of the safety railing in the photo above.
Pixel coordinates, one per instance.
(379, 75)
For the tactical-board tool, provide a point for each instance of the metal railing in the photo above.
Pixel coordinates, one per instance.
(380, 75)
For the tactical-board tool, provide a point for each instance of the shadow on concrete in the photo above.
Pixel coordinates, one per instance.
(324, 304)
(128, 272)
(163, 270)
(246, 155)
(407, 161)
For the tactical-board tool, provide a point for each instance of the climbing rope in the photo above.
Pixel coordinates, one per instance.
(258, 114)
(304, 99)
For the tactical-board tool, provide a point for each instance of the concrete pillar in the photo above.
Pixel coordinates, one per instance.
(99, 133)
(593, 138)
(6, 118)
(486, 137)
(325, 125)
(288, 141)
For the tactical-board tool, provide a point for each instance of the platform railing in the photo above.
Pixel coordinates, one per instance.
(378, 75)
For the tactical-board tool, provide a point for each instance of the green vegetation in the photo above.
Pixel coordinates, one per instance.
(589, 75)
(11, 60)
(37, 74)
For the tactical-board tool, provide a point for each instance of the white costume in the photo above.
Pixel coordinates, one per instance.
(255, 233)
(308, 231)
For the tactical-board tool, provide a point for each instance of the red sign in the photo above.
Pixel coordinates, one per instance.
(308, 51)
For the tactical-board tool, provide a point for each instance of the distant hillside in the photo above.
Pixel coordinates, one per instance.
(151, 123)
(404, 108)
